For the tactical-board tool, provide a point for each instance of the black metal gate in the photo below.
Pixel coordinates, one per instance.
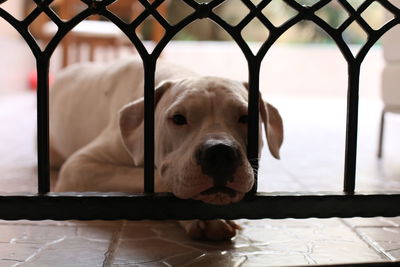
(149, 205)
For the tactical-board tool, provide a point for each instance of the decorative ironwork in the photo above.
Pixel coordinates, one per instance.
(43, 205)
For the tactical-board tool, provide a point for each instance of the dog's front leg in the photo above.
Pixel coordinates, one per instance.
(213, 230)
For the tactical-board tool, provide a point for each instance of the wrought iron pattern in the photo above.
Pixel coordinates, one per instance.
(203, 10)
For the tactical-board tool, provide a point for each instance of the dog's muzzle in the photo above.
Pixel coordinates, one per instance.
(219, 159)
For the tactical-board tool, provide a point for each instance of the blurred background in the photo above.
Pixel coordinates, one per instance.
(100, 35)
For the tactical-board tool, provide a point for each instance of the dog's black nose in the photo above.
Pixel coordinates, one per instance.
(219, 159)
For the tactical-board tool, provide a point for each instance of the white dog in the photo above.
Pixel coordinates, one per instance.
(96, 135)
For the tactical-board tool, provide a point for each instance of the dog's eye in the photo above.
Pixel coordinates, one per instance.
(244, 119)
(179, 119)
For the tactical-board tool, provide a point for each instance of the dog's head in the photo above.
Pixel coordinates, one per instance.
(201, 137)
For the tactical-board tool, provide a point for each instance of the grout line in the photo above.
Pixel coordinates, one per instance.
(376, 226)
(39, 250)
(114, 243)
(382, 253)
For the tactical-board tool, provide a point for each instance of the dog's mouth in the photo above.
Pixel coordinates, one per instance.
(219, 195)
(219, 189)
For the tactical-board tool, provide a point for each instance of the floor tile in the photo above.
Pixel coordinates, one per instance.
(8, 263)
(184, 259)
(218, 259)
(34, 234)
(149, 250)
(17, 252)
(377, 221)
(316, 244)
(394, 220)
(261, 242)
(51, 243)
(384, 239)
(395, 254)
(148, 229)
(67, 252)
(336, 252)
(97, 233)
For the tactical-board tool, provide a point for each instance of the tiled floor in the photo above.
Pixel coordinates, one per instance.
(312, 160)
(150, 243)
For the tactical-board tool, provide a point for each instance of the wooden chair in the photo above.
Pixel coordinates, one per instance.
(95, 32)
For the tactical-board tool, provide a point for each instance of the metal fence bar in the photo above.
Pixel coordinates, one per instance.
(149, 64)
(43, 143)
(253, 113)
(165, 206)
(149, 72)
(351, 127)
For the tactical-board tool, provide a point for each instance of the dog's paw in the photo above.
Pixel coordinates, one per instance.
(213, 230)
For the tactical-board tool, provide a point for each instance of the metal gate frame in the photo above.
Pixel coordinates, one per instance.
(150, 205)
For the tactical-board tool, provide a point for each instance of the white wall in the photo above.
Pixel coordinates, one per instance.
(14, 7)
(16, 59)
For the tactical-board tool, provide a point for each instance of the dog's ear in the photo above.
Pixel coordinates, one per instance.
(131, 121)
(273, 125)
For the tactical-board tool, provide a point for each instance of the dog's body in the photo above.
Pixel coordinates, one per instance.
(96, 135)
(84, 106)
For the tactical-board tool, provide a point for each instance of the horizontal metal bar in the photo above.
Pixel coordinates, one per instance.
(107, 206)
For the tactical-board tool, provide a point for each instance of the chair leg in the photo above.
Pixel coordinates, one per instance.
(381, 132)
(65, 52)
(78, 48)
(92, 48)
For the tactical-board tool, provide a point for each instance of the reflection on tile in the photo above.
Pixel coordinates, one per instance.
(315, 242)
(395, 254)
(51, 243)
(384, 239)
(17, 252)
(277, 259)
(8, 263)
(98, 233)
(67, 252)
(377, 221)
(218, 260)
(182, 259)
(394, 220)
(147, 250)
(146, 229)
(33, 234)
(344, 252)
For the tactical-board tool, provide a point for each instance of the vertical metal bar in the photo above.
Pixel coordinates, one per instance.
(351, 127)
(149, 74)
(42, 66)
(253, 113)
